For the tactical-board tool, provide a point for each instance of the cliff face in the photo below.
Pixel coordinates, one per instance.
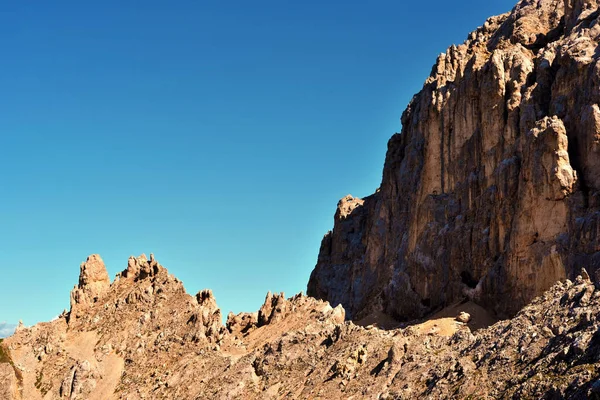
(491, 190)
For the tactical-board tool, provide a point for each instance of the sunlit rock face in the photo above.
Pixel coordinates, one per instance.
(144, 337)
(491, 190)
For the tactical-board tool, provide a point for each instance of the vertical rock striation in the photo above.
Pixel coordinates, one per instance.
(491, 190)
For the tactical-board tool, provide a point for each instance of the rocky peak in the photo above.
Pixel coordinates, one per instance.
(240, 324)
(205, 298)
(492, 189)
(141, 268)
(347, 205)
(208, 316)
(274, 308)
(93, 282)
(166, 344)
(490, 193)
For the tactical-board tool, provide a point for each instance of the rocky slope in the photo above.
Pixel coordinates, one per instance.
(490, 196)
(143, 337)
(492, 189)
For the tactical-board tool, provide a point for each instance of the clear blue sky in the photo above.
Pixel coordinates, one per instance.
(218, 135)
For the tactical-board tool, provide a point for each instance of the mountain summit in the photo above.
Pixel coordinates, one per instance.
(492, 189)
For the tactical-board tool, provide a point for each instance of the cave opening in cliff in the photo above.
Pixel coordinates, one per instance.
(468, 279)
(576, 163)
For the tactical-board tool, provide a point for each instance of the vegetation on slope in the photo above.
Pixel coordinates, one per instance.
(4, 358)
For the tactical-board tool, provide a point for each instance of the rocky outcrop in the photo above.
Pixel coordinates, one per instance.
(490, 193)
(93, 283)
(140, 267)
(492, 189)
(141, 336)
(207, 320)
(241, 323)
(277, 308)
(80, 382)
(145, 338)
(273, 309)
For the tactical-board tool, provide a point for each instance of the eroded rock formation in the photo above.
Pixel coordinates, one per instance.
(93, 283)
(491, 190)
(145, 338)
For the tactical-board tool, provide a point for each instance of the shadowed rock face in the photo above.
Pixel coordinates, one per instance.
(491, 190)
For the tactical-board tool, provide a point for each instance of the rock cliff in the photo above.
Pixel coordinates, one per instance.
(490, 195)
(492, 189)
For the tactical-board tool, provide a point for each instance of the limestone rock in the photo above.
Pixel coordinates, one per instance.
(337, 314)
(93, 282)
(9, 383)
(207, 319)
(492, 188)
(273, 309)
(241, 323)
(490, 193)
(80, 381)
(169, 345)
(141, 268)
(463, 317)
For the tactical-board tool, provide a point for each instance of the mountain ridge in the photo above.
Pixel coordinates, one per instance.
(144, 337)
(489, 207)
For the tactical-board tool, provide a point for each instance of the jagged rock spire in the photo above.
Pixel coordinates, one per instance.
(93, 282)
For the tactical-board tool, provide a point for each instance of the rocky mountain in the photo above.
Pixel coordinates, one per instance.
(489, 202)
(143, 337)
(492, 189)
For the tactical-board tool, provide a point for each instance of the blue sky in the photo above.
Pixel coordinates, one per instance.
(218, 135)
(6, 329)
